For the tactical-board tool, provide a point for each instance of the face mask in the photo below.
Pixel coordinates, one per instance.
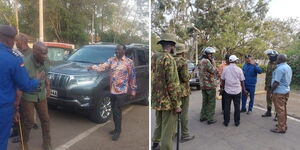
(273, 58)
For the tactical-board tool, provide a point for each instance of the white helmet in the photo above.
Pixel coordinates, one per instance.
(208, 50)
(271, 52)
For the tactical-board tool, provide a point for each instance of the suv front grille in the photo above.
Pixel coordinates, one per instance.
(59, 80)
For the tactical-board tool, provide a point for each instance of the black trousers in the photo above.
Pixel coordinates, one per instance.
(116, 103)
(227, 104)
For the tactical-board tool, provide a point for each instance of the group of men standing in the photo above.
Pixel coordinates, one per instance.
(24, 87)
(170, 89)
(170, 92)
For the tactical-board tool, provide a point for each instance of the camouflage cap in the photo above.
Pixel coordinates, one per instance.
(8, 31)
(167, 37)
(180, 48)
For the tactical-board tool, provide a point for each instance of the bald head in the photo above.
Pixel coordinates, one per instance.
(40, 51)
(281, 58)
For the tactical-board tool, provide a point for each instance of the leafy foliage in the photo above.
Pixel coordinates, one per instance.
(81, 22)
(232, 26)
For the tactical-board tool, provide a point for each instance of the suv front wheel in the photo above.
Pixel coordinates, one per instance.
(103, 110)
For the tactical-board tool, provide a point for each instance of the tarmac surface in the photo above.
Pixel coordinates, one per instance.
(252, 134)
(73, 131)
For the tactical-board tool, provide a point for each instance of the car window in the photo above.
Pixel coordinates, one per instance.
(56, 54)
(92, 54)
(141, 57)
(130, 54)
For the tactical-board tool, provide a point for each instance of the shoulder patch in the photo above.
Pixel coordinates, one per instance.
(16, 54)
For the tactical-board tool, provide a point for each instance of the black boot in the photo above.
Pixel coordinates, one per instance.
(268, 113)
(155, 146)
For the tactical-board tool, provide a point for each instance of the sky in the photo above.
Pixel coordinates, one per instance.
(284, 9)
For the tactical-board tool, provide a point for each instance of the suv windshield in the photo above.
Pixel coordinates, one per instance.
(56, 54)
(93, 54)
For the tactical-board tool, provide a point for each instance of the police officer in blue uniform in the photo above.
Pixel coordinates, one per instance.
(13, 75)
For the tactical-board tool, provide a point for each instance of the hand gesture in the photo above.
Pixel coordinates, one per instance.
(178, 110)
(221, 92)
(90, 68)
(17, 117)
(245, 93)
(48, 92)
(41, 75)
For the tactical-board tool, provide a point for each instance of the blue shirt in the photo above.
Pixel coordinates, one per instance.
(250, 73)
(282, 74)
(13, 75)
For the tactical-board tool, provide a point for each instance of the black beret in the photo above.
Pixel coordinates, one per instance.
(8, 31)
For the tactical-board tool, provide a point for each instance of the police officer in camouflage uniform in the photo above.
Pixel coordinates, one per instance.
(208, 84)
(272, 54)
(165, 89)
(185, 90)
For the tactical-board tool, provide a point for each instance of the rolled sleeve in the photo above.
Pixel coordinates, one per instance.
(278, 74)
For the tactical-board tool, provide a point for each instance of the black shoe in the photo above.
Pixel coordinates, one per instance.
(35, 126)
(276, 130)
(237, 124)
(187, 138)
(225, 124)
(203, 119)
(267, 114)
(242, 111)
(115, 136)
(112, 132)
(211, 122)
(155, 146)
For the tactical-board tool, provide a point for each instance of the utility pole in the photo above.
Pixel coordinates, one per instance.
(41, 18)
(17, 15)
(197, 39)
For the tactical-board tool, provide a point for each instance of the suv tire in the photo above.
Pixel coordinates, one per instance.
(103, 110)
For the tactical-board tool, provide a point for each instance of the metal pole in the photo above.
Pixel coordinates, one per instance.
(41, 18)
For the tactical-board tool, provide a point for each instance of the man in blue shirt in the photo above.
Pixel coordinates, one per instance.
(250, 69)
(13, 75)
(281, 80)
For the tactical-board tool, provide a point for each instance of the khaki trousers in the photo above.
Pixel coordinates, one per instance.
(280, 101)
(27, 117)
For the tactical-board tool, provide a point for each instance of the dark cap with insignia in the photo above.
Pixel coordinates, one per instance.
(8, 31)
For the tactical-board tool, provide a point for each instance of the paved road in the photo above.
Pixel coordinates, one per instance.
(252, 134)
(73, 131)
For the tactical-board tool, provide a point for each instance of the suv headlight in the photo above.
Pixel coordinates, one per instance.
(85, 80)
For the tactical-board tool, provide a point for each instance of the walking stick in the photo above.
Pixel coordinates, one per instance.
(178, 131)
(21, 135)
